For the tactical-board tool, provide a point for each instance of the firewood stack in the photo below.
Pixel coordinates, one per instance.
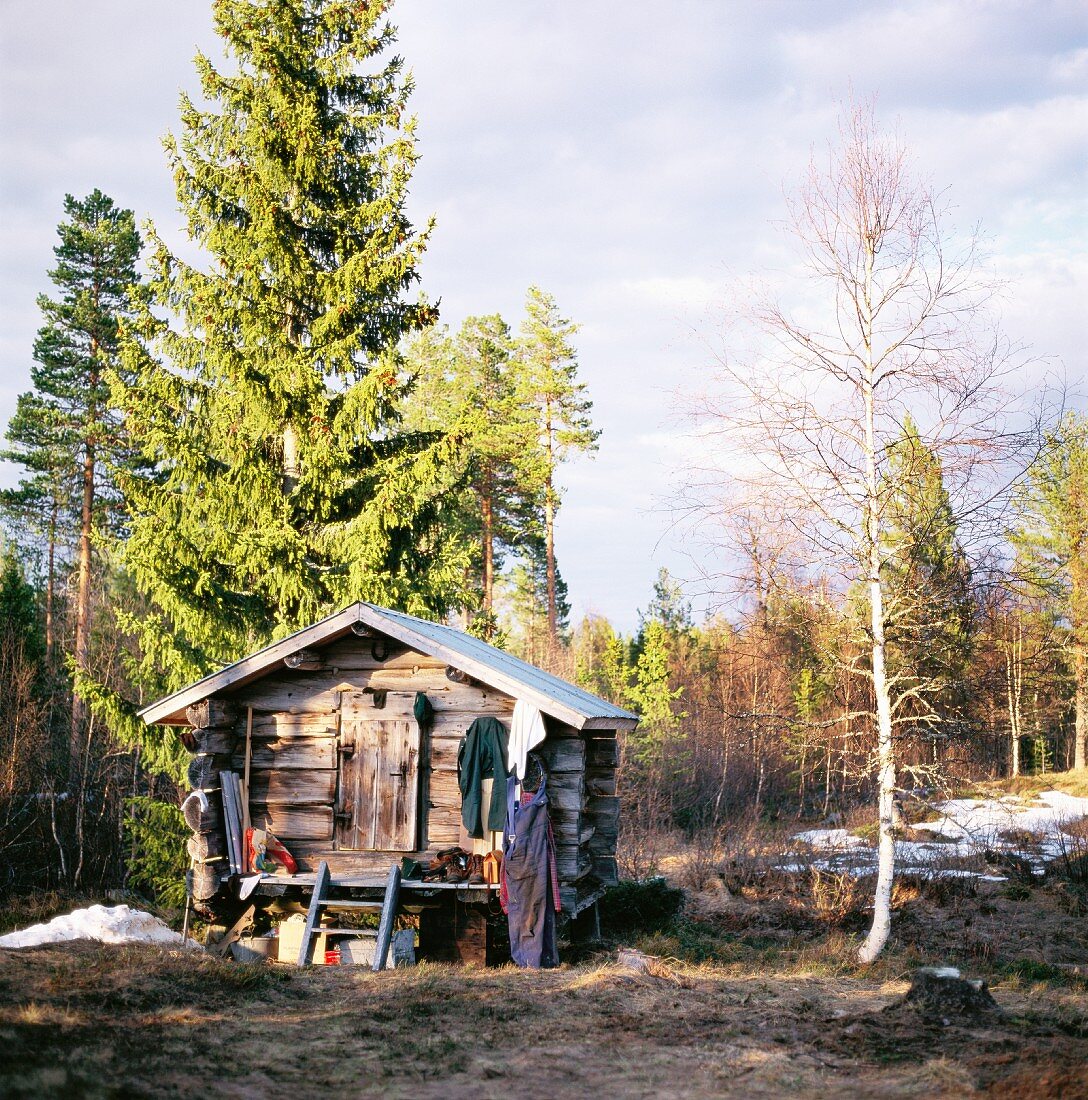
(213, 737)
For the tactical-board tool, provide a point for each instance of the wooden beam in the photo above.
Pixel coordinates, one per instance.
(222, 945)
(212, 714)
(389, 911)
(245, 779)
(321, 885)
(305, 660)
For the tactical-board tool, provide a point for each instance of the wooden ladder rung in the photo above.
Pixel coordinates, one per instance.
(350, 903)
(350, 932)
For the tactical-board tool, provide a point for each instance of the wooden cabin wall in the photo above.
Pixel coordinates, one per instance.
(294, 762)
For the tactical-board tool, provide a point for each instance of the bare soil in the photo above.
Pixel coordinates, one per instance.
(106, 1021)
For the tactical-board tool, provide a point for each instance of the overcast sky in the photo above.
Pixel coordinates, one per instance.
(630, 157)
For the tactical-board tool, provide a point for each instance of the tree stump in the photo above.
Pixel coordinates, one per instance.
(940, 992)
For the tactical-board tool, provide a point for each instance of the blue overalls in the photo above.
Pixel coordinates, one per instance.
(527, 865)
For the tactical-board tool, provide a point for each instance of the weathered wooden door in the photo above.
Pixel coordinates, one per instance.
(379, 780)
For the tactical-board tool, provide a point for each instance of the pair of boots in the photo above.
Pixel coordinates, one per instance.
(455, 865)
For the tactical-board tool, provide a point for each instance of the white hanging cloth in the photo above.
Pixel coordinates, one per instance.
(526, 732)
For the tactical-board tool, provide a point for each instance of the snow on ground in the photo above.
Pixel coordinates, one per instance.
(967, 828)
(831, 840)
(116, 924)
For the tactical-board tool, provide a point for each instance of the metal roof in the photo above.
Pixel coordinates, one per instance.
(494, 667)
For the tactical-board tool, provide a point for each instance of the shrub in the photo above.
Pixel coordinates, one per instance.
(158, 860)
(640, 907)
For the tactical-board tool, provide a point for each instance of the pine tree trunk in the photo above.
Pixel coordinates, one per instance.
(50, 587)
(549, 550)
(83, 602)
(488, 540)
(1080, 672)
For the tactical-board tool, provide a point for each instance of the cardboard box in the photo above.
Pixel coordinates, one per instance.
(354, 950)
(291, 940)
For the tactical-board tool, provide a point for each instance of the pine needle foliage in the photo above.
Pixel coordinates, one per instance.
(267, 382)
(157, 864)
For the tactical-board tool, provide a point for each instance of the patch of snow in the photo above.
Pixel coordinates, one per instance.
(971, 826)
(830, 840)
(981, 822)
(107, 924)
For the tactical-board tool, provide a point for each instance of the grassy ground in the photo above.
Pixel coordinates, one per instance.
(757, 994)
(793, 1018)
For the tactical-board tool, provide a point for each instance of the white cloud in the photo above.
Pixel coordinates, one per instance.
(626, 157)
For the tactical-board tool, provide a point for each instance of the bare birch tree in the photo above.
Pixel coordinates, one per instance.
(892, 327)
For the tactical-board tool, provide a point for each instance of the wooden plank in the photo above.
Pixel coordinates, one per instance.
(441, 835)
(230, 821)
(606, 870)
(602, 753)
(372, 865)
(572, 862)
(313, 915)
(316, 693)
(305, 660)
(604, 807)
(292, 753)
(299, 787)
(444, 790)
(245, 921)
(204, 848)
(246, 772)
(294, 822)
(219, 742)
(389, 911)
(207, 821)
(561, 755)
(599, 782)
(212, 714)
(204, 769)
(281, 725)
(487, 672)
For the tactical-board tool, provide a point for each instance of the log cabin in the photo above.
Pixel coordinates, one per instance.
(321, 731)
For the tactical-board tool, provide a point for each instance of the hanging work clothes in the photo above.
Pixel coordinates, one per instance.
(482, 755)
(530, 893)
(526, 732)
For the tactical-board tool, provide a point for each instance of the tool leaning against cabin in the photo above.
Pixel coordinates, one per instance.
(482, 755)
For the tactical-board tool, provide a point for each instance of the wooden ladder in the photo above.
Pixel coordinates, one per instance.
(319, 902)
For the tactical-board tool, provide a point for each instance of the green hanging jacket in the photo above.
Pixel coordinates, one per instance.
(482, 755)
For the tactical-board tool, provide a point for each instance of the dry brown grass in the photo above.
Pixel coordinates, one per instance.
(95, 1020)
(1073, 782)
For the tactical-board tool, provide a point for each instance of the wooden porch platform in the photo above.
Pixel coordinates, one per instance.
(371, 882)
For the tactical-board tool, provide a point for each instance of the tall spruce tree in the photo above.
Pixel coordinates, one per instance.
(928, 606)
(63, 431)
(1053, 542)
(550, 387)
(270, 400)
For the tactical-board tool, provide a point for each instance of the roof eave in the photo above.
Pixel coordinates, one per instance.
(171, 709)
